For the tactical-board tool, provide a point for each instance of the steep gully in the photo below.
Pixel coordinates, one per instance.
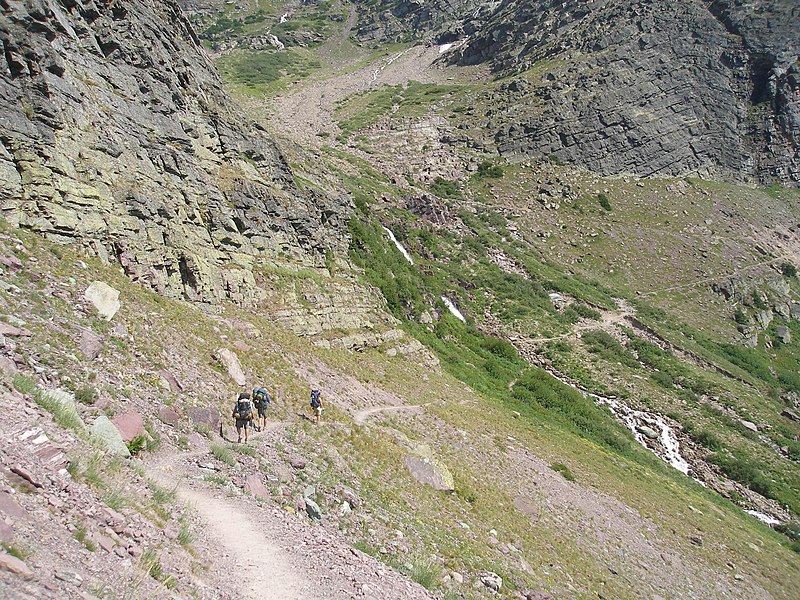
(644, 425)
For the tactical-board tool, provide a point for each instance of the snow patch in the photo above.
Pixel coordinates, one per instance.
(445, 47)
(452, 308)
(284, 16)
(399, 245)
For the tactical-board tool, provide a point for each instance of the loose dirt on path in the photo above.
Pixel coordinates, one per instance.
(257, 550)
(265, 571)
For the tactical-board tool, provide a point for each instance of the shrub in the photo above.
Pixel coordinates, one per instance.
(426, 573)
(445, 188)
(708, 439)
(137, 444)
(788, 270)
(564, 470)
(86, 395)
(604, 202)
(487, 170)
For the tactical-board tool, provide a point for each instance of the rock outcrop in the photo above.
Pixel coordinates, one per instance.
(650, 88)
(114, 132)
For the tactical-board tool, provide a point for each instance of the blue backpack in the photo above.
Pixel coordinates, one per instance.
(315, 399)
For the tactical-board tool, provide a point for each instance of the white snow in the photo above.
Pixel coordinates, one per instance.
(284, 16)
(763, 518)
(452, 308)
(399, 245)
(445, 47)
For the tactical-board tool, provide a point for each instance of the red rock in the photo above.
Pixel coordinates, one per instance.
(14, 565)
(11, 331)
(105, 542)
(168, 415)
(91, 344)
(6, 532)
(204, 416)
(297, 462)
(254, 484)
(241, 346)
(8, 365)
(12, 262)
(174, 383)
(130, 425)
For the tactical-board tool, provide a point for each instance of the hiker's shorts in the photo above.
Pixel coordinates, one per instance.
(262, 412)
(241, 423)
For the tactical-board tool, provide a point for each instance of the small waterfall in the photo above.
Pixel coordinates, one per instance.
(284, 17)
(639, 422)
(766, 519)
(399, 245)
(452, 308)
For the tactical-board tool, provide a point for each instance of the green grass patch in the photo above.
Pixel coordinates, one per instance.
(564, 470)
(223, 454)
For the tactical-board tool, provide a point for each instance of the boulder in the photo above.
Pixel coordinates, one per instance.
(174, 383)
(204, 416)
(168, 415)
(12, 331)
(104, 298)
(14, 565)
(749, 425)
(232, 365)
(493, 581)
(7, 365)
(130, 425)
(6, 533)
(297, 462)
(10, 507)
(254, 484)
(791, 415)
(91, 344)
(313, 510)
(648, 432)
(108, 435)
(783, 334)
(427, 469)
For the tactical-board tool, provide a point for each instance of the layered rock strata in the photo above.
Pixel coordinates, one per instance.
(114, 132)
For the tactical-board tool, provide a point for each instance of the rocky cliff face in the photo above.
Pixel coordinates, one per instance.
(652, 88)
(114, 131)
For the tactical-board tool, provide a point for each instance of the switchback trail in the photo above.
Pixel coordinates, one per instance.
(361, 416)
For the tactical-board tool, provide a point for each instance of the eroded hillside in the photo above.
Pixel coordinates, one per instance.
(563, 384)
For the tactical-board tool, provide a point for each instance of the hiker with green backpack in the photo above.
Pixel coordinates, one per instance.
(242, 414)
(261, 400)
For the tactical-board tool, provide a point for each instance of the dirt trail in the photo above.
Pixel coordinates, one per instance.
(257, 550)
(266, 572)
(362, 415)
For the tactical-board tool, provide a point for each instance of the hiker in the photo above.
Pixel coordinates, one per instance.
(243, 414)
(316, 404)
(261, 400)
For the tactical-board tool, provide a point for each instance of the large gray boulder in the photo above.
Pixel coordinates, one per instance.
(104, 298)
(105, 432)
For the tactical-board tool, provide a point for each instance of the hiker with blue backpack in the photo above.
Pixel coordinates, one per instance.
(316, 404)
(242, 414)
(261, 400)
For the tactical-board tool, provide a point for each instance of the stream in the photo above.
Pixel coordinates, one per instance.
(645, 426)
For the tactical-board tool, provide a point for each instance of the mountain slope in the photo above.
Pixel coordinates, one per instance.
(631, 87)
